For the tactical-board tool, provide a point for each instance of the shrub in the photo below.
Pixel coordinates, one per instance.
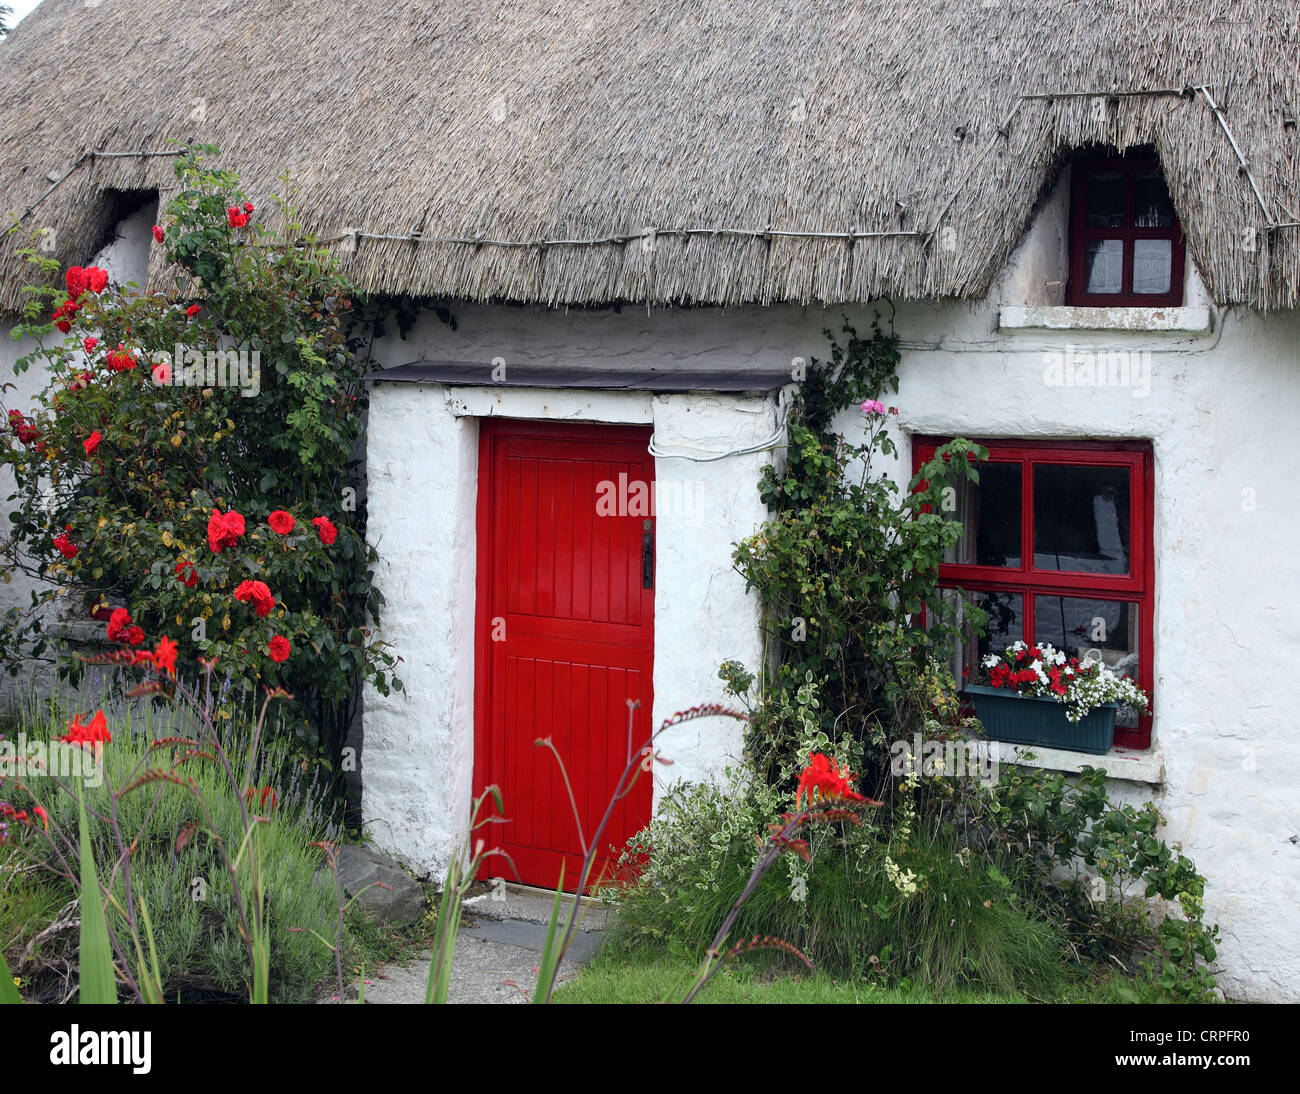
(175, 865)
(162, 499)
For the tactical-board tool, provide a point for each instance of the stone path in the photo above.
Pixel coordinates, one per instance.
(497, 952)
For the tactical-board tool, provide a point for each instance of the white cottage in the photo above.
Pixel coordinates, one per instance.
(1085, 220)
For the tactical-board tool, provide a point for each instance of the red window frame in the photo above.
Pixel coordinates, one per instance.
(1136, 587)
(1081, 233)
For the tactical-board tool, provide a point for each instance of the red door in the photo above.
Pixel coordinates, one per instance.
(565, 636)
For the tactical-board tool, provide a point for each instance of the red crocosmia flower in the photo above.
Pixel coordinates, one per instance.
(65, 546)
(281, 522)
(164, 656)
(134, 636)
(92, 442)
(224, 529)
(121, 359)
(236, 218)
(823, 780)
(117, 624)
(258, 593)
(158, 233)
(38, 811)
(263, 794)
(88, 344)
(325, 529)
(186, 574)
(93, 732)
(248, 207)
(279, 648)
(193, 310)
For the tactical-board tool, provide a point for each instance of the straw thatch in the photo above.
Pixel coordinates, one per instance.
(579, 120)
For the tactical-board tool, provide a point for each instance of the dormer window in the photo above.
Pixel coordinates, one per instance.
(1126, 244)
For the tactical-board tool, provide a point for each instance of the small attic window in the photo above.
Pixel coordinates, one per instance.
(1126, 246)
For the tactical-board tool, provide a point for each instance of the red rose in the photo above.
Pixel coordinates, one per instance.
(25, 431)
(281, 522)
(121, 359)
(258, 593)
(134, 636)
(88, 344)
(117, 624)
(65, 546)
(325, 529)
(157, 233)
(62, 317)
(193, 310)
(236, 218)
(186, 574)
(96, 279)
(224, 529)
(279, 648)
(92, 442)
(248, 207)
(75, 279)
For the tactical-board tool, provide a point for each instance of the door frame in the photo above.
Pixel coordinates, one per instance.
(490, 431)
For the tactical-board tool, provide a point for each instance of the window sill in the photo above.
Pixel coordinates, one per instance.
(1194, 320)
(1124, 764)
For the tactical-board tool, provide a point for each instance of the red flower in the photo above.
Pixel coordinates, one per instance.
(258, 593)
(236, 218)
(62, 316)
(325, 529)
(96, 279)
(134, 636)
(279, 648)
(88, 344)
(157, 233)
(91, 279)
(186, 574)
(193, 310)
(38, 811)
(92, 442)
(66, 547)
(164, 656)
(117, 624)
(75, 279)
(94, 732)
(121, 359)
(824, 780)
(264, 793)
(25, 432)
(224, 529)
(281, 522)
(248, 207)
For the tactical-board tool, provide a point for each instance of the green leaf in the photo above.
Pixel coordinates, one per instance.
(95, 956)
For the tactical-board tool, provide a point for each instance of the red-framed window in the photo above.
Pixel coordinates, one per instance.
(1057, 547)
(1126, 246)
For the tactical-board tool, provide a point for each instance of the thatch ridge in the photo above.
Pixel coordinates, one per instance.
(528, 123)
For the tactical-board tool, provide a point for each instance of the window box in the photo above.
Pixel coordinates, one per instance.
(1032, 720)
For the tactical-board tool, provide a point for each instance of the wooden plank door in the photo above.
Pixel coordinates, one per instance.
(565, 637)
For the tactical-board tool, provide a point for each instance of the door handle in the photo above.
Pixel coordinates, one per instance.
(648, 559)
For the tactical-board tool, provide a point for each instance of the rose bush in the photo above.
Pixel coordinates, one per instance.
(171, 487)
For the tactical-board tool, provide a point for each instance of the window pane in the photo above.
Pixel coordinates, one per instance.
(990, 517)
(1081, 518)
(1005, 625)
(1079, 625)
(1154, 209)
(1106, 200)
(1153, 265)
(1103, 265)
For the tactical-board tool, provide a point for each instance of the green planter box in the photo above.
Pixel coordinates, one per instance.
(1029, 720)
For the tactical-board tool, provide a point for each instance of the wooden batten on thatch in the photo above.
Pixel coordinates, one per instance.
(541, 127)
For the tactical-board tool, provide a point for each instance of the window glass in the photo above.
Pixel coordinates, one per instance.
(1081, 518)
(1153, 207)
(990, 517)
(1153, 264)
(1103, 269)
(1105, 200)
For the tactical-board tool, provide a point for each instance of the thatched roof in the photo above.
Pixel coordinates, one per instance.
(528, 124)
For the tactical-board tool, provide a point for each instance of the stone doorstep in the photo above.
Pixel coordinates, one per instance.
(527, 904)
